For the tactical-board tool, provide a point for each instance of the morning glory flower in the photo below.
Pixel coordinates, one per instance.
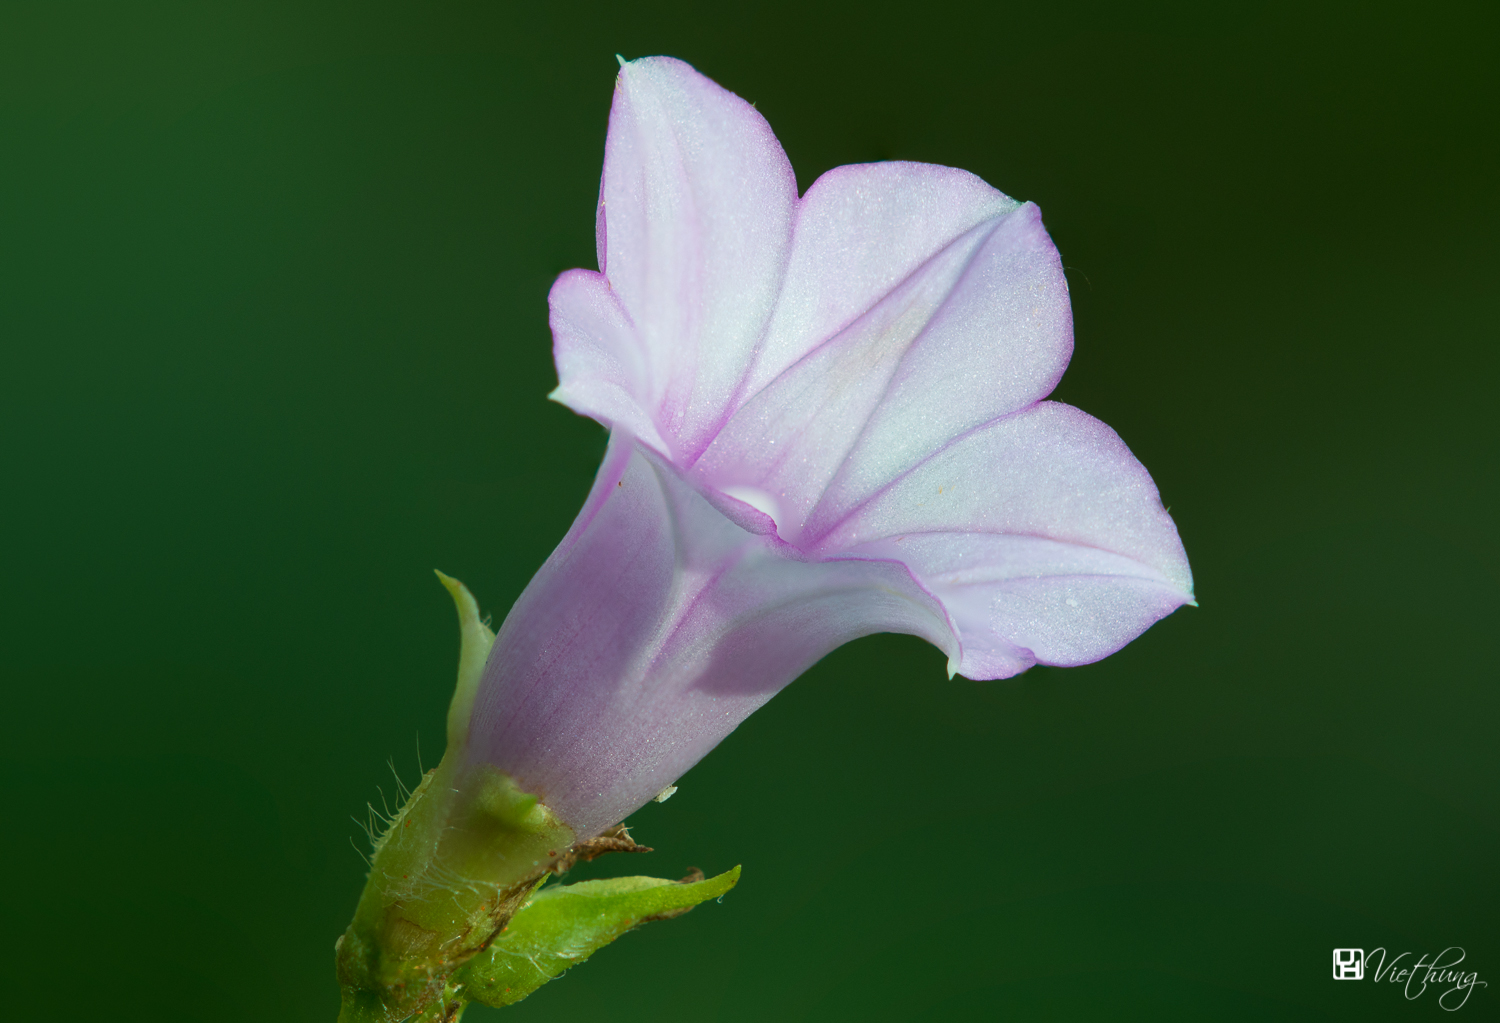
(827, 419)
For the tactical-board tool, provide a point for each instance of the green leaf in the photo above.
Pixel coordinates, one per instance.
(562, 926)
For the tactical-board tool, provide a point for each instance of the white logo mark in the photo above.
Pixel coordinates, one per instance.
(1348, 964)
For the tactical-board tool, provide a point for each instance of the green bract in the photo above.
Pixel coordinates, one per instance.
(561, 927)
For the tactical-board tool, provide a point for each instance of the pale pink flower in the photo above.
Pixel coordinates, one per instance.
(826, 421)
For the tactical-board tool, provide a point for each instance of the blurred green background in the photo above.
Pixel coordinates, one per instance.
(273, 346)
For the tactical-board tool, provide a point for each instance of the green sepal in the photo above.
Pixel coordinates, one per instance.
(475, 639)
(563, 925)
(460, 855)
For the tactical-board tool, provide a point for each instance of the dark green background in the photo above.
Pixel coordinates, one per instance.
(272, 294)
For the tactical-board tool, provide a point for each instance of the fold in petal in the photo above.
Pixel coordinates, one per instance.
(1017, 601)
(790, 439)
(1041, 534)
(999, 343)
(601, 367)
(696, 204)
(860, 231)
(1050, 471)
(978, 330)
(654, 629)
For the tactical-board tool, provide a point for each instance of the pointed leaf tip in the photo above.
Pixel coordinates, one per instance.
(468, 608)
(475, 640)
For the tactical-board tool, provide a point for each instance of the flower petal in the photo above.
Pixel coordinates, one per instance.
(860, 231)
(697, 201)
(1040, 532)
(654, 629)
(999, 343)
(980, 329)
(790, 439)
